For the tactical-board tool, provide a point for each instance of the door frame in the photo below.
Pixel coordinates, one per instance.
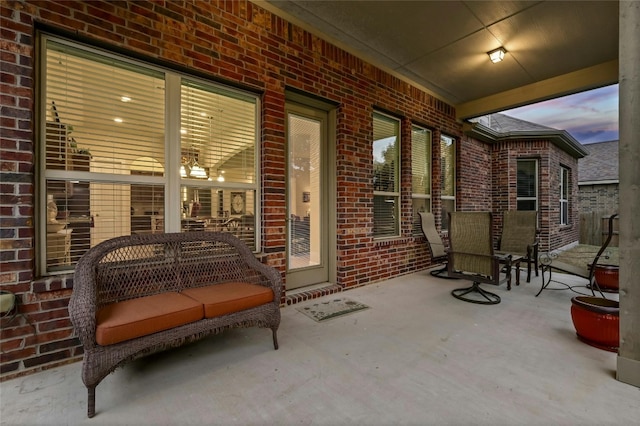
(329, 203)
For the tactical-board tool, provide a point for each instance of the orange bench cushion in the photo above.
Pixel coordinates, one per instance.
(221, 299)
(146, 315)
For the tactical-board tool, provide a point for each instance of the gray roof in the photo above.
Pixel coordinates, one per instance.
(601, 164)
(500, 127)
(504, 124)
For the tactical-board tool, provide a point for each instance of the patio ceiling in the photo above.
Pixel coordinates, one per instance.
(554, 47)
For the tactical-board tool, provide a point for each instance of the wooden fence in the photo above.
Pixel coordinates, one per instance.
(594, 227)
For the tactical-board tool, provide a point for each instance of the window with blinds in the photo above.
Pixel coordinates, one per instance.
(420, 174)
(448, 178)
(118, 158)
(527, 185)
(386, 172)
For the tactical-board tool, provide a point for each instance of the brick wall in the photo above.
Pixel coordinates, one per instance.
(236, 42)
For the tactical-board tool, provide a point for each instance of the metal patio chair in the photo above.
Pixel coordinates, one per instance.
(437, 247)
(471, 256)
(520, 237)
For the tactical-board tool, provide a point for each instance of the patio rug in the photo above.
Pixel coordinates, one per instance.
(322, 311)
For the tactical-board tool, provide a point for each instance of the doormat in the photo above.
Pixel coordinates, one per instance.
(322, 311)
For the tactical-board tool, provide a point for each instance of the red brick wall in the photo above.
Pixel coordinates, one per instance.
(236, 41)
(474, 176)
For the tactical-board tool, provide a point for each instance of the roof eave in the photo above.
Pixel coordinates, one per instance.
(561, 138)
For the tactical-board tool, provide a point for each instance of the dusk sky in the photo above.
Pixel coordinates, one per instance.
(589, 117)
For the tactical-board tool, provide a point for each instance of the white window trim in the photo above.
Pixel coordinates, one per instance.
(430, 168)
(398, 174)
(564, 202)
(455, 172)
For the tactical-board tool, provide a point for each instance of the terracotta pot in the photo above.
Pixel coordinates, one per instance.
(597, 321)
(607, 276)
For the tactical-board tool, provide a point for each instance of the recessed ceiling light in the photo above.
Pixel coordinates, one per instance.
(125, 99)
(118, 120)
(183, 131)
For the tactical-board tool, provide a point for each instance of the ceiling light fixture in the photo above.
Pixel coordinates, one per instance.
(198, 171)
(497, 55)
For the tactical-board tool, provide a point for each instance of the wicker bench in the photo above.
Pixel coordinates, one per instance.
(137, 295)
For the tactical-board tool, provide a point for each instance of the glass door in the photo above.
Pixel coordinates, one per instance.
(306, 186)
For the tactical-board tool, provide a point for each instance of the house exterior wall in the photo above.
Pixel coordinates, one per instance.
(239, 43)
(505, 155)
(242, 44)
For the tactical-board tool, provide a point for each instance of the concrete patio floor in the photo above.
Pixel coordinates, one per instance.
(417, 356)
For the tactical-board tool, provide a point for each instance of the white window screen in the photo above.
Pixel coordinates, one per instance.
(420, 174)
(564, 196)
(386, 195)
(448, 178)
(105, 169)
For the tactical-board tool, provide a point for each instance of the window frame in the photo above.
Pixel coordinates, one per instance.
(565, 194)
(170, 180)
(448, 197)
(395, 194)
(417, 196)
(536, 182)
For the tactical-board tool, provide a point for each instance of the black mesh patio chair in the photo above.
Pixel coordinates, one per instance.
(520, 237)
(471, 256)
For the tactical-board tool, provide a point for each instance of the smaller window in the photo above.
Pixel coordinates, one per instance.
(448, 178)
(564, 196)
(386, 170)
(421, 174)
(527, 185)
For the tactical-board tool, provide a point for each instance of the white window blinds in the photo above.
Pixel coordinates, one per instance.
(106, 133)
(386, 195)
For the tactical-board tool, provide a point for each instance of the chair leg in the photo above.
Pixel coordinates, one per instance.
(275, 338)
(489, 298)
(91, 401)
(442, 273)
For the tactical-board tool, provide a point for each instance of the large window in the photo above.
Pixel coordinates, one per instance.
(448, 178)
(386, 186)
(527, 185)
(420, 174)
(564, 196)
(129, 148)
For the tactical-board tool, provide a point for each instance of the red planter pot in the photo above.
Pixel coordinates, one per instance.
(607, 276)
(597, 321)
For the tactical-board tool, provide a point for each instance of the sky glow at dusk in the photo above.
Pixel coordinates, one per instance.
(589, 117)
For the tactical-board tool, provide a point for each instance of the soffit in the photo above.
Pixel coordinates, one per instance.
(554, 47)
